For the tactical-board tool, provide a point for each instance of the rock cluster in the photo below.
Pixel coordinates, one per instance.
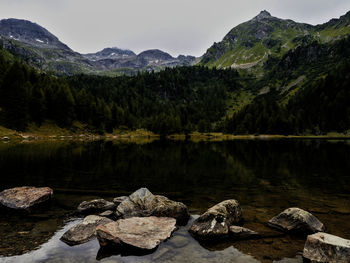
(143, 203)
(144, 220)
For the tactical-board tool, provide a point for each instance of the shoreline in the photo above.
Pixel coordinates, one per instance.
(7, 135)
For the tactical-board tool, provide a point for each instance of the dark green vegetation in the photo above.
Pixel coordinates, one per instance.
(319, 103)
(299, 86)
(171, 101)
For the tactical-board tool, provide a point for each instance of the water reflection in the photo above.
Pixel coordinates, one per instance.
(265, 176)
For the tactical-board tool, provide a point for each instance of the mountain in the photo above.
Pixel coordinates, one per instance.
(302, 85)
(249, 45)
(154, 59)
(42, 49)
(110, 53)
(30, 33)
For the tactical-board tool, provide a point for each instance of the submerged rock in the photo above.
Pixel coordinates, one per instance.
(84, 231)
(238, 232)
(296, 220)
(322, 247)
(96, 205)
(143, 203)
(216, 221)
(25, 197)
(144, 233)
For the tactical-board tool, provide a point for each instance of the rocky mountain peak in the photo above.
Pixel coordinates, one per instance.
(155, 54)
(29, 33)
(263, 14)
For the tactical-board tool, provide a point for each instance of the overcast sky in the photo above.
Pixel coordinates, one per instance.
(177, 26)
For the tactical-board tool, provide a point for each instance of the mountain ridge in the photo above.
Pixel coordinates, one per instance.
(42, 49)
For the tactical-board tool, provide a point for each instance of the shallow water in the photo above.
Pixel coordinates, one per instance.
(266, 176)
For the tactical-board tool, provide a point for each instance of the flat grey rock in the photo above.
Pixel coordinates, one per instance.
(144, 233)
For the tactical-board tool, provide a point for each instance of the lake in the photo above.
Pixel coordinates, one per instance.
(265, 176)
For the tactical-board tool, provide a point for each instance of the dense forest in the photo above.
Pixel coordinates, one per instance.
(178, 100)
(321, 105)
(186, 99)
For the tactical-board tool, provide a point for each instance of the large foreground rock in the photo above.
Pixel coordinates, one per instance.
(322, 247)
(84, 231)
(143, 203)
(25, 197)
(296, 220)
(216, 221)
(96, 205)
(144, 233)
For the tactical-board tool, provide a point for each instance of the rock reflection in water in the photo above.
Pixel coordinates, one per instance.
(181, 247)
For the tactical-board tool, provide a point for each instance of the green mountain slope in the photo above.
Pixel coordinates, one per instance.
(249, 45)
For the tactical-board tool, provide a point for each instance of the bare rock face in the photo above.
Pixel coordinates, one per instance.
(238, 232)
(296, 220)
(144, 233)
(216, 221)
(143, 203)
(84, 231)
(25, 197)
(97, 205)
(322, 247)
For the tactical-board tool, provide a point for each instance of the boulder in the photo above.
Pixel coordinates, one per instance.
(296, 220)
(143, 203)
(25, 197)
(84, 231)
(322, 247)
(109, 214)
(143, 233)
(119, 199)
(238, 232)
(94, 206)
(216, 221)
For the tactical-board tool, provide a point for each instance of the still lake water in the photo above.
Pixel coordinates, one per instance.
(265, 176)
